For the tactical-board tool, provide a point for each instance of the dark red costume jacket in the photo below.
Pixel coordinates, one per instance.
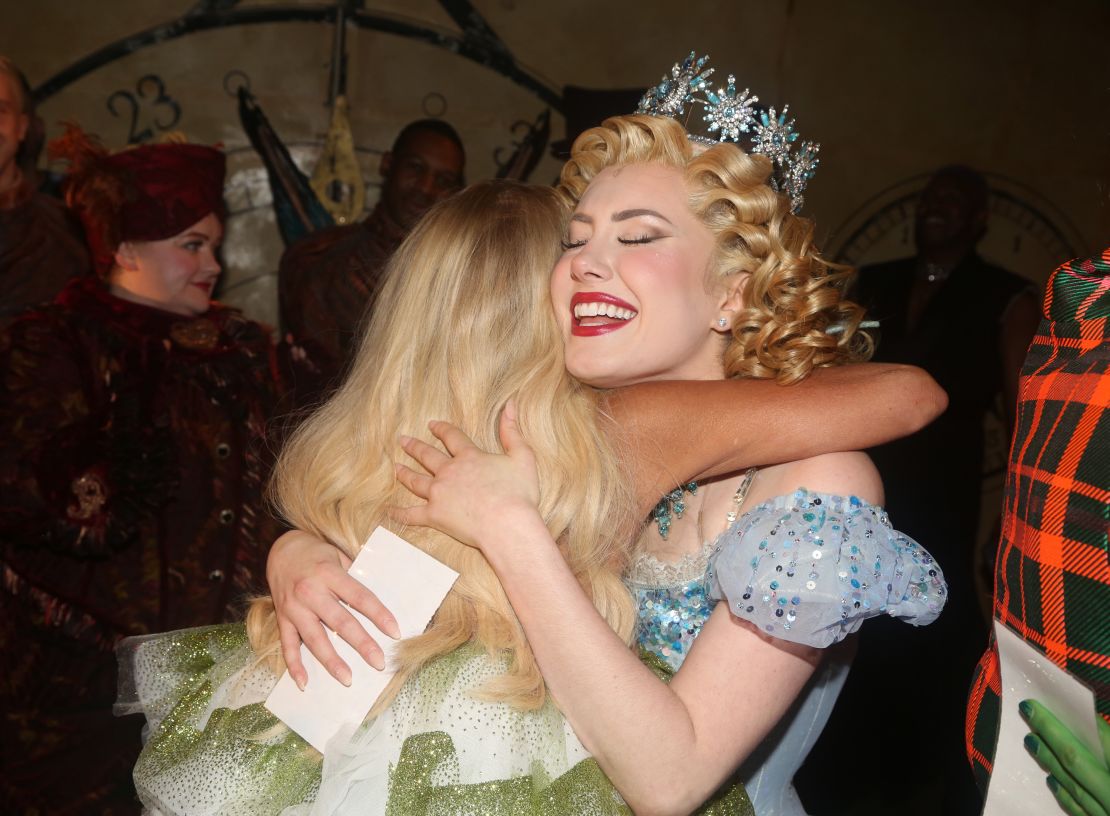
(135, 452)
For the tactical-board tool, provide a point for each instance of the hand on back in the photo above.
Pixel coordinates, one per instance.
(468, 491)
(309, 583)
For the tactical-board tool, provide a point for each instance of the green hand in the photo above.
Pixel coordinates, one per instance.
(1079, 780)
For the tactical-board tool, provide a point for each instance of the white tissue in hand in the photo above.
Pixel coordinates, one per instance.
(411, 584)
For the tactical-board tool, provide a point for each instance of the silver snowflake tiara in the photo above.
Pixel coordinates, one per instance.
(728, 114)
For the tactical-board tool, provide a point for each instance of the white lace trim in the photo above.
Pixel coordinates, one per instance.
(649, 571)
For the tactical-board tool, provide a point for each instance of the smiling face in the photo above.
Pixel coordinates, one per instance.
(424, 169)
(630, 291)
(175, 274)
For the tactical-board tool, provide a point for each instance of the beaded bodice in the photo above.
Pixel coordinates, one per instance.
(672, 597)
(672, 602)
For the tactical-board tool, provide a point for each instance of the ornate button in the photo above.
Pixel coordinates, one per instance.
(91, 495)
(227, 516)
(216, 576)
(196, 335)
(223, 450)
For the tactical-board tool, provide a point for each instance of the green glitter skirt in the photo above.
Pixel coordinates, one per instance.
(213, 749)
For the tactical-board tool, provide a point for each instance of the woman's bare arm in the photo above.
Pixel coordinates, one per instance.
(665, 747)
(674, 432)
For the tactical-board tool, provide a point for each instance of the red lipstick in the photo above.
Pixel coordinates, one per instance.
(578, 330)
(599, 297)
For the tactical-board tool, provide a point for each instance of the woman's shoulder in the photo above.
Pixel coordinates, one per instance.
(212, 746)
(848, 473)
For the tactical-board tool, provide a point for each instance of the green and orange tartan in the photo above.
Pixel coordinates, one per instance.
(1052, 577)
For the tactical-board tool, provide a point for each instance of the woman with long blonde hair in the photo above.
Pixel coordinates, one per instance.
(463, 326)
(463, 330)
(683, 262)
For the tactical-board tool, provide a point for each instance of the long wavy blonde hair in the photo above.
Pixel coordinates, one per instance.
(793, 295)
(462, 325)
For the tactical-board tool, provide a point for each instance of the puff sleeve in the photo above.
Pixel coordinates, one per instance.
(811, 567)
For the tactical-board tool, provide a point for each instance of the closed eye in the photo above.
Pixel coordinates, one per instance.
(640, 239)
(569, 244)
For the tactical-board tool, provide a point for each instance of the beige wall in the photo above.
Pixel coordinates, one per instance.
(890, 89)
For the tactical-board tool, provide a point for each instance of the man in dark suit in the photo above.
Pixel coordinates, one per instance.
(968, 323)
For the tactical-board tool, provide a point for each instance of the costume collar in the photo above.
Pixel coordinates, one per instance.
(208, 332)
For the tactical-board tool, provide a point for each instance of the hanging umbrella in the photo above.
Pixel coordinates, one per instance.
(299, 211)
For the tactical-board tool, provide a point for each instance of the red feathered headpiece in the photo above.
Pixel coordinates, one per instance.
(146, 193)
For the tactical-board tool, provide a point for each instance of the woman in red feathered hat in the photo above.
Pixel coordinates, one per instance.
(153, 218)
(134, 413)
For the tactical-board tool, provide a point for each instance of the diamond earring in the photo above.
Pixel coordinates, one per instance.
(722, 322)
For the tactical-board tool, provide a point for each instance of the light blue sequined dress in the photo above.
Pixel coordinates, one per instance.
(807, 568)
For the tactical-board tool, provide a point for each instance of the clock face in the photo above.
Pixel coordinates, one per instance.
(182, 74)
(1025, 235)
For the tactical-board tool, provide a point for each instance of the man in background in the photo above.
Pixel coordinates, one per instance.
(968, 323)
(329, 280)
(41, 246)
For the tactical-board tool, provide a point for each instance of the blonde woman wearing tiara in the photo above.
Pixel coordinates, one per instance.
(708, 269)
(684, 263)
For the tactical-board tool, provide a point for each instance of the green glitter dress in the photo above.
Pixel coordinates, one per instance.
(212, 747)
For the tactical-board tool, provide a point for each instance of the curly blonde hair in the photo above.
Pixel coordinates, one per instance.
(792, 295)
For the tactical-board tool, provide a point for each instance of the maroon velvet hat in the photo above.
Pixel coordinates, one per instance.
(172, 187)
(146, 193)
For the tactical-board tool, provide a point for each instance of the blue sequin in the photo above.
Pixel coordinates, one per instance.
(668, 619)
(671, 616)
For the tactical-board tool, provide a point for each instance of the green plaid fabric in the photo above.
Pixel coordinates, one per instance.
(1052, 577)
